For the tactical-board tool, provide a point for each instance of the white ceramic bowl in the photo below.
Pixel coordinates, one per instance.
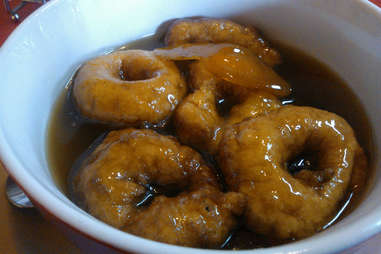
(44, 50)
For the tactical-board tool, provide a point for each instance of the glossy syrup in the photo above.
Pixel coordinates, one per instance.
(313, 83)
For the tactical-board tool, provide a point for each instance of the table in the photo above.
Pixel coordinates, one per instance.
(25, 231)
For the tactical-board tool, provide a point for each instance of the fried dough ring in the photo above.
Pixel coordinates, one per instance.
(110, 183)
(199, 124)
(150, 91)
(197, 120)
(218, 31)
(253, 157)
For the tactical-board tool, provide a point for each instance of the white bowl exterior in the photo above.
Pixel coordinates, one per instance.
(40, 56)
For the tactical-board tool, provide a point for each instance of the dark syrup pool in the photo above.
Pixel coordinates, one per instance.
(313, 83)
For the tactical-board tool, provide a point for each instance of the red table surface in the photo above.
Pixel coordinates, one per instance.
(25, 231)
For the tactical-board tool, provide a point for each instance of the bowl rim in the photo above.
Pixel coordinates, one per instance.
(102, 233)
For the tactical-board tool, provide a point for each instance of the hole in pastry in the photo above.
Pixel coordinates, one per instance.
(303, 161)
(308, 167)
(135, 75)
(224, 104)
(154, 190)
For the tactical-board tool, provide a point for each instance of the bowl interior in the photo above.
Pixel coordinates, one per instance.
(40, 56)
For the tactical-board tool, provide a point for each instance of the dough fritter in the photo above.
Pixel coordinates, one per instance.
(199, 124)
(190, 210)
(218, 31)
(254, 154)
(200, 218)
(150, 185)
(128, 88)
(197, 120)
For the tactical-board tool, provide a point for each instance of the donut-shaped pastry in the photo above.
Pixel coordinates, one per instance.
(220, 30)
(131, 166)
(197, 119)
(254, 154)
(128, 88)
(199, 124)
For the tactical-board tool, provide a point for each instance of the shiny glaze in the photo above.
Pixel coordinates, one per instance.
(254, 155)
(199, 124)
(111, 182)
(128, 88)
(204, 30)
(240, 67)
(70, 135)
(231, 63)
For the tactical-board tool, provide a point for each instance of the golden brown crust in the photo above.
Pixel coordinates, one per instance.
(359, 172)
(153, 89)
(115, 177)
(199, 124)
(218, 31)
(253, 155)
(252, 143)
(197, 121)
(202, 218)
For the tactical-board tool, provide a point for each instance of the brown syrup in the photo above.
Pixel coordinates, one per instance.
(313, 83)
